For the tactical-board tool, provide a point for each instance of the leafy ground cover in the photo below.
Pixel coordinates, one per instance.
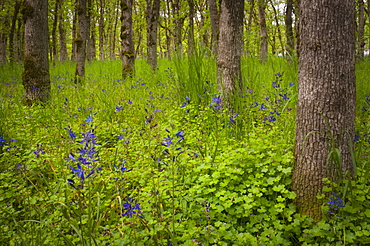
(157, 160)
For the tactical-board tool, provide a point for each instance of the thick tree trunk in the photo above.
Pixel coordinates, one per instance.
(152, 16)
(214, 16)
(80, 40)
(326, 99)
(128, 53)
(229, 51)
(263, 30)
(289, 28)
(35, 76)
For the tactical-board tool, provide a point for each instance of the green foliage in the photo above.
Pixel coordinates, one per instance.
(177, 168)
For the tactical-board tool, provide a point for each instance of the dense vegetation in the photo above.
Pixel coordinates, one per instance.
(156, 160)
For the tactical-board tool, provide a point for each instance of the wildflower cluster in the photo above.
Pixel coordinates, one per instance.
(84, 157)
(335, 203)
(272, 108)
(217, 102)
(131, 208)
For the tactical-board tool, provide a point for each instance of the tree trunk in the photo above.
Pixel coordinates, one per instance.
(62, 34)
(179, 22)
(152, 16)
(3, 47)
(191, 42)
(326, 99)
(229, 51)
(277, 28)
(54, 32)
(12, 53)
(101, 29)
(80, 40)
(128, 53)
(215, 18)
(361, 30)
(35, 76)
(289, 28)
(263, 30)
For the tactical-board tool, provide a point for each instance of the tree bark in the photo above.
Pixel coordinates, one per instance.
(263, 30)
(229, 51)
(54, 32)
(35, 76)
(80, 40)
(215, 17)
(12, 45)
(179, 22)
(326, 99)
(191, 41)
(62, 34)
(289, 28)
(128, 53)
(152, 16)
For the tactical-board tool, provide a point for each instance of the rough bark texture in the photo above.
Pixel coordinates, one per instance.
(289, 28)
(230, 47)
(128, 53)
(263, 30)
(152, 21)
(179, 22)
(326, 98)
(80, 40)
(214, 16)
(35, 76)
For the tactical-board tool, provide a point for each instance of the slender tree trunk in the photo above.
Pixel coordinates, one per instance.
(277, 29)
(62, 34)
(152, 21)
(229, 51)
(326, 99)
(54, 32)
(263, 30)
(89, 31)
(35, 76)
(128, 53)
(3, 40)
(179, 22)
(289, 28)
(74, 33)
(113, 49)
(215, 17)
(80, 40)
(361, 29)
(191, 41)
(101, 29)
(12, 53)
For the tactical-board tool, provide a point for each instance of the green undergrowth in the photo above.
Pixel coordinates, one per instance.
(156, 160)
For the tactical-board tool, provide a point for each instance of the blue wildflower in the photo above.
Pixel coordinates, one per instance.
(2, 140)
(180, 134)
(167, 142)
(130, 206)
(72, 134)
(335, 202)
(119, 108)
(217, 101)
